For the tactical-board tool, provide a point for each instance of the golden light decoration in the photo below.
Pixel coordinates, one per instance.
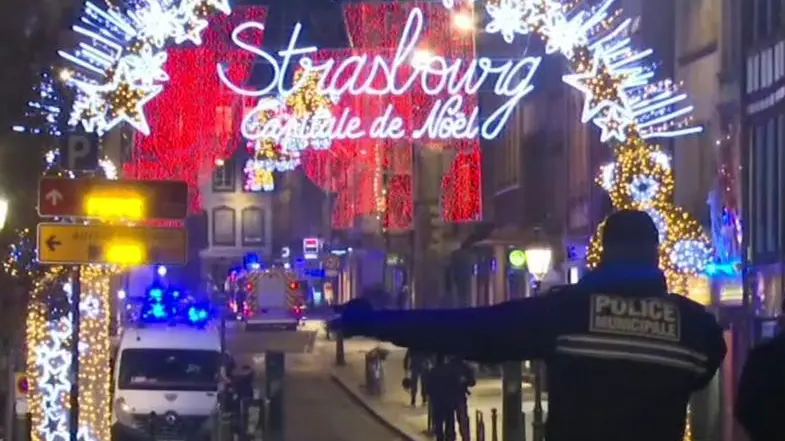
(38, 334)
(94, 370)
(307, 99)
(125, 99)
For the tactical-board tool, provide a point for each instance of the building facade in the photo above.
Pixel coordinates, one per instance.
(763, 134)
(238, 222)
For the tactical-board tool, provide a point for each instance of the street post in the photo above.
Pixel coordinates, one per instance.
(77, 243)
(275, 369)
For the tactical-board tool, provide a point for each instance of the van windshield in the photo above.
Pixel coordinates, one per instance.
(169, 369)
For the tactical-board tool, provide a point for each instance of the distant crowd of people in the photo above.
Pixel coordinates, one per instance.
(444, 383)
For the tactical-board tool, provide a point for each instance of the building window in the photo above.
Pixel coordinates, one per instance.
(253, 226)
(223, 177)
(223, 120)
(223, 226)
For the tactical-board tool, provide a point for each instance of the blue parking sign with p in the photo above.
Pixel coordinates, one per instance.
(79, 151)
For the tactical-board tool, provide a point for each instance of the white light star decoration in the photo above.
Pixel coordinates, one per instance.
(133, 112)
(145, 68)
(613, 124)
(156, 22)
(592, 106)
(127, 48)
(508, 18)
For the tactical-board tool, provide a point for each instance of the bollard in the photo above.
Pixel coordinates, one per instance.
(523, 424)
(479, 426)
(21, 429)
(340, 354)
(429, 422)
(153, 416)
(374, 371)
(494, 424)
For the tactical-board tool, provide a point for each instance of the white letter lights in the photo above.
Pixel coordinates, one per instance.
(447, 81)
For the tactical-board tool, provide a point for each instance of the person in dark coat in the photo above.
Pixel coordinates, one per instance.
(442, 384)
(622, 355)
(417, 365)
(466, 380)
(760, 401)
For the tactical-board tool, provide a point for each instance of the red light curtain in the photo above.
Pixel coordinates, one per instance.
(196, 119)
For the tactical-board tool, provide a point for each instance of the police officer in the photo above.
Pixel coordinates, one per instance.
(622, 356)
(442, 384)
(466, 380)
(417, 365)
(760, 401)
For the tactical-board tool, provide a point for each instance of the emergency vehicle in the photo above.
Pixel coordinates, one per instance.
(267, 298)
(165, 380)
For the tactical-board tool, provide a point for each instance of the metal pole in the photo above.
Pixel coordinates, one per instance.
(10, 402)
(275, 369)
(512, 398)
(340, 354)
(538, 433)
(76, 300)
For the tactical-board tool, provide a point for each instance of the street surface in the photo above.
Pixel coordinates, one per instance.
(319, 410)
(315, 408)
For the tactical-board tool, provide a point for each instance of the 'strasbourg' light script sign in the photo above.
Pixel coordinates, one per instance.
(450, 80)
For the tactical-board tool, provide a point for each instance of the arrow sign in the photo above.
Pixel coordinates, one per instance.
(53, 197)
(59, 197)
(52, 243)
(78, 244)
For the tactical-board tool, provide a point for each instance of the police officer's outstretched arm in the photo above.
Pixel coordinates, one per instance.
(514, 330)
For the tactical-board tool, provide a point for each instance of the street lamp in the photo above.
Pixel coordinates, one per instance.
(3, 212)
(463, 21)
(538, 261)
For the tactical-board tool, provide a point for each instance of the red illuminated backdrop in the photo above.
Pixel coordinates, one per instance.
(196, 120)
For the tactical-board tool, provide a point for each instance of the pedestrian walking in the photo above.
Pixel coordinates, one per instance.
(622, 355)
(760, 401)
(416, 365)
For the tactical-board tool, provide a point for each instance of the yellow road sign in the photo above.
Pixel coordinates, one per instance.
(84, 244)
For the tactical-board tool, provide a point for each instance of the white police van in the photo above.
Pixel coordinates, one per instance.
(166, 383)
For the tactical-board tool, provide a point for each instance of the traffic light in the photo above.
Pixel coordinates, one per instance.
(294, 286)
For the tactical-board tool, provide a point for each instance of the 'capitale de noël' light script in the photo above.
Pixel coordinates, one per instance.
(450, 80)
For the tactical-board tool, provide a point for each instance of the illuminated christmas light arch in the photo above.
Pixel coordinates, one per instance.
(622, 97)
